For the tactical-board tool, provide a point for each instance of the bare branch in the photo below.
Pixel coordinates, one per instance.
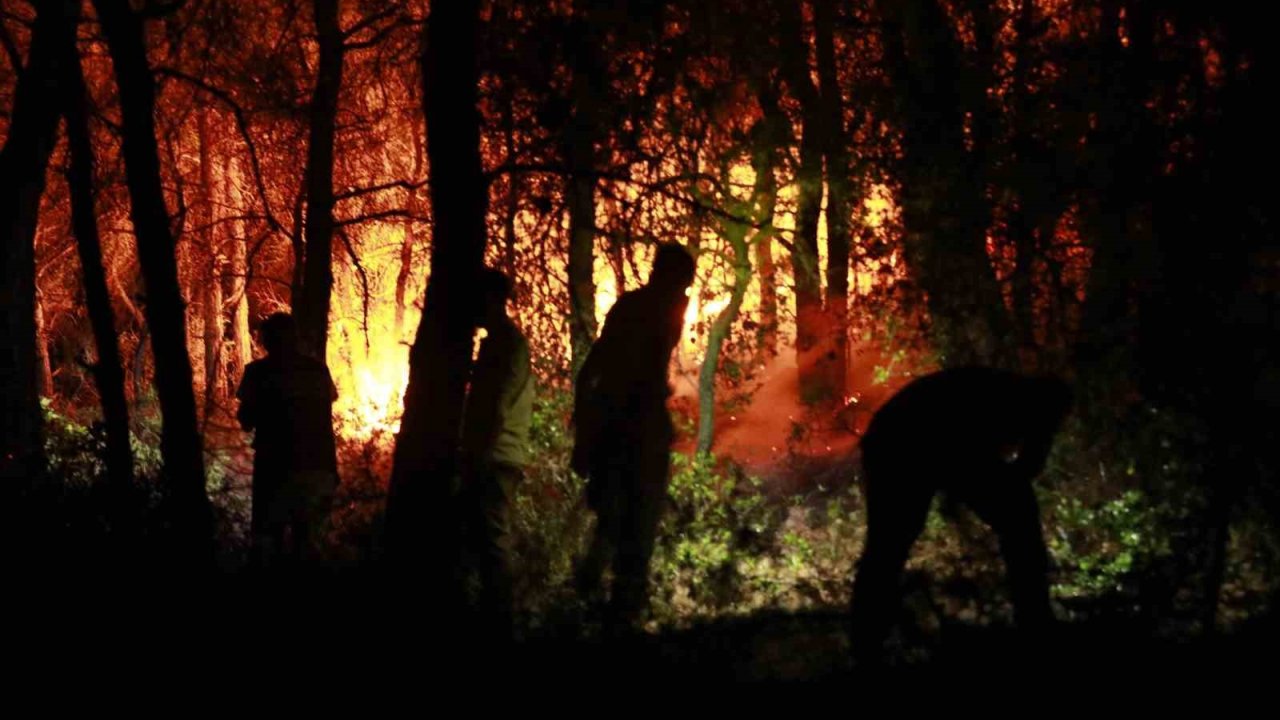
(370, 20)
(242, 125)
(11, 49)
(364, 286)
(157, 9)
(376, 39)
(401, 184)
(381, 215)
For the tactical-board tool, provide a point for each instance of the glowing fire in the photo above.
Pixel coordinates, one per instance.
(377, 397)
(368, 350)
(368, 354)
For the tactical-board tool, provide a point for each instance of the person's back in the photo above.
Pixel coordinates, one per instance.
(624, 432)
(979, 435)
(286, 399)
(635, 346)
(499, 409)
(292, 399)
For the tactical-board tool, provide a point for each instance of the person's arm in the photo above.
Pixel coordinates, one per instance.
(585, 385)
(484, 406)
(247, 413)
(586, 397)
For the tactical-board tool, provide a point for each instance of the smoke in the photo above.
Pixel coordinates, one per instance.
(793, 447)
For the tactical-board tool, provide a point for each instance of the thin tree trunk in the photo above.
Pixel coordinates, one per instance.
(512, 196)
(774, 131)
(763, 199)
(180, 445)
(406, 248)
(108, 373)
(840, 199)
(241, 343)
(44, 368)
(735, 235)
(580, 155)
(211, 280)
(317, 283)
(810, 323)
(582, 233)
(32, 132)
(440, 359)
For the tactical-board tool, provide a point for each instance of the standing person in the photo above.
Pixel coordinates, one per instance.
(286, 399)
(495, 433)
(624, 432)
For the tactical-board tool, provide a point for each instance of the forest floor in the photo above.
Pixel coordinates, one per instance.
(229, 636)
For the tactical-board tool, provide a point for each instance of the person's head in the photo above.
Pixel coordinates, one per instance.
(279, 334)
(673, 269)
(494, 291)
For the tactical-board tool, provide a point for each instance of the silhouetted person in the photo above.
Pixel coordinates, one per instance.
(495, 433)
(624, 432)
(286, 399)
(978, 435)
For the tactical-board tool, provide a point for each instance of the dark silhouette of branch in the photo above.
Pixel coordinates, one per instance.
(11, 49)
(242, 125)
(381, 215)
(401, 184)
(364, 285)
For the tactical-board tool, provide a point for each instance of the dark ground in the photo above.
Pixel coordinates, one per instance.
(356, 633)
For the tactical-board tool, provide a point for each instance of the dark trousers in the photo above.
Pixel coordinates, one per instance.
(487, 497)
(628, 491)
(290, 515)
(896, 513)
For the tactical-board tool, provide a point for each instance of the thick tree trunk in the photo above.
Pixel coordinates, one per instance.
(317, 283)
(32, 132)
(108, 372)
(180, 445)
(1125, 166)
(440, 360)
(944, 209)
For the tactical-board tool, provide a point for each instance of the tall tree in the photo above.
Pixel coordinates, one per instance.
(440, 359)
(840, 197)
(811, 328)
(746, 226)
(238, 272)
(108, 372)
(33, 128)
(317, 283)
(774, 133)
(211, 300)
(945, 212)
(579, 138)
(180, 444)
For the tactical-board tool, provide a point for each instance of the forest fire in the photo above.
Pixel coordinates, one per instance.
(370, 362)
(377, 399)
(208, 206)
